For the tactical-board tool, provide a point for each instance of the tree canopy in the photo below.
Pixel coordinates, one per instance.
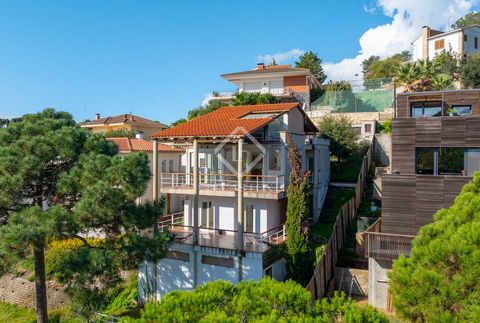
(246, 98)
(470, 71)
(440, 280)
(338, 128)
(120, 133)
(264, 301)
(311, 61)
(470, 19)
(59, 181)
(381, 68)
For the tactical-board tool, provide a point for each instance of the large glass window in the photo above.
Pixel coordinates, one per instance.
(451, 161)
(274, 160)
(426, 109)
(274, 128)
(459, 110)
(425, 161)
(206, 220)
(473, 161)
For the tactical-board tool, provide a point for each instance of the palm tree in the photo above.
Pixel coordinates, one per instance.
(407, 75)
(442, 82)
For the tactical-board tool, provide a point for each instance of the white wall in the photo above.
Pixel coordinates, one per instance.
(451, 42)
(266, 212)
(417, 49)
(179, 274)
(272, 85)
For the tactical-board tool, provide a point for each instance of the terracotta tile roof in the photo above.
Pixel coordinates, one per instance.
(125, 119)
(132, 145)
(270, 69)
(227, 121)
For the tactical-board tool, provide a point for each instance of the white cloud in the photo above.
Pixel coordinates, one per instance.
(408, 17)
(369, 9)
(280, 57)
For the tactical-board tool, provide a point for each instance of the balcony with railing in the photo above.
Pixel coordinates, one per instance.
(221, 238)
(224, 184)
(387, 246)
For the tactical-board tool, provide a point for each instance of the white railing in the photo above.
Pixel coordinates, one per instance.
(215, 182)
(223, 238)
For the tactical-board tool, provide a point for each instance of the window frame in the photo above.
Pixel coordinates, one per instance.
(439, 44)
(426, 105)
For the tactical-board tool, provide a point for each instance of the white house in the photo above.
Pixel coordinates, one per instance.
(233, 189)
(463, 41)
(285, 82)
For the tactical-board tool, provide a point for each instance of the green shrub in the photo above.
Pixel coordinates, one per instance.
(264, 301)
(386, 126)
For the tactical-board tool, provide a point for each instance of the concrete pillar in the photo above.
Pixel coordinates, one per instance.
(155, 171)
(196, 186)
(240, 196)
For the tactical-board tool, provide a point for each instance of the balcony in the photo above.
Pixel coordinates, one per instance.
(220, 238)
(387, 246)
(262, 186)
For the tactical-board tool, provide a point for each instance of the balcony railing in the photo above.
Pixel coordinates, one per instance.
(219, 182)
(386, 246)
(221, 238)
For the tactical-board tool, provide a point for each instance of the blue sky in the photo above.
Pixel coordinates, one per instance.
(159, 59)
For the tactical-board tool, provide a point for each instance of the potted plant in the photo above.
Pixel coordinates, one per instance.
(451, 112)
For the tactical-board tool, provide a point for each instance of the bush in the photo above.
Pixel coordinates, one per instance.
(386, 126)
(264, 301)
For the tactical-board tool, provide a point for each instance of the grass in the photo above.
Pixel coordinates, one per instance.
(335, 199)
(13, 314)
(347, 170)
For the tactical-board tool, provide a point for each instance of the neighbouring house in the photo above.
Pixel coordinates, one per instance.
(169, 161)
(130, 122)
(463, 41)
(233, 184)
(435, 151)
(286, 83)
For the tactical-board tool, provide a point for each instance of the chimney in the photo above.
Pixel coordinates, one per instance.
(260, 66)
(97, 116)
(425, 34)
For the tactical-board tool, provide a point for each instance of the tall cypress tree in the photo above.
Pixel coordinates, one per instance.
(296, 226)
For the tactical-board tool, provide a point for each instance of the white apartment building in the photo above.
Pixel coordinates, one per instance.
(233, 187)
(463, 41)
(285, 82)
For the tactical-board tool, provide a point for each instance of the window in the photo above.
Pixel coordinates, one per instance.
(425, 161)
(274, 160)
(164, 166)
(451, 161)
(368, 128)
(170, 165)
(274, 129)
(206, 219)
(269, 272)
(249, 218)
(459, 110)
(473, 161)
(475, 42)
(426, 109)
(357, 131)
(465, 38)
(440, 44)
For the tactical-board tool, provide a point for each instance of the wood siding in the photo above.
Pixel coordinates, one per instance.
(410, 201)
(449, 98)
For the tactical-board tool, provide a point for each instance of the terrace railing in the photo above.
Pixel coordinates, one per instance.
(216, 182)
(221, 238)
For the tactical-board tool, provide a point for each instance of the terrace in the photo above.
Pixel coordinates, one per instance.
(221, 238)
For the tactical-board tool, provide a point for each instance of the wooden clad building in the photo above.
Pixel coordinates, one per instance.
(435, 150)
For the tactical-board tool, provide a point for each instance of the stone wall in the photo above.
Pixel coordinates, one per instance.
(356, 117)
(21, 292)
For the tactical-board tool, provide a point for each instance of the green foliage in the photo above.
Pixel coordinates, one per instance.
(299, 264)
(386, 126)
(46, 159)
(246, 98)
(15, 314)
(338, 128)
(120, 133)
(423, 76)
(381, 68)
(470, 19)
(470, 71)
(264, 301)
(177, 122)
(448, 62)
(311, 61)
(367, 63)
(442, 82)
(439, 282)
(123, 298)
(202, 110)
